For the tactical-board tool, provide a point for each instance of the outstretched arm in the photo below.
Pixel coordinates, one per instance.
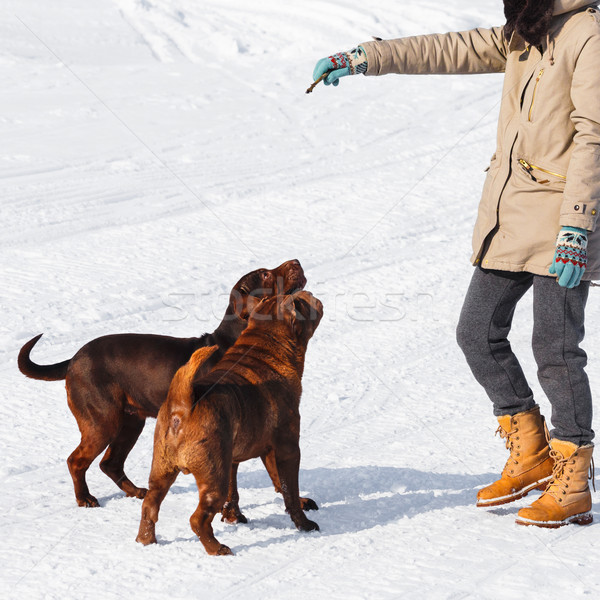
(475, 51)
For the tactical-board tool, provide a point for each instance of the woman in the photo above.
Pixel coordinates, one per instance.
(537, 213)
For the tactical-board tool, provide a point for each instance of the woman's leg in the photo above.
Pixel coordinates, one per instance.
(482, 334)
(558, 317)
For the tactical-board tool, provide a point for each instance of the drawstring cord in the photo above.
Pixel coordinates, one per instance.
(550, 45)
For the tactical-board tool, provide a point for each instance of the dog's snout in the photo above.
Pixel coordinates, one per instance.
(294, 266)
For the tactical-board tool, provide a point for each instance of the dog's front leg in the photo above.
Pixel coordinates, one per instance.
(287, 460)
(269, 462)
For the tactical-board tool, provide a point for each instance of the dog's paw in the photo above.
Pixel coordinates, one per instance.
(308, 525)
(145, 540)
(139, 493)
(224, 551)
(146, 535)
(308, 504)
(132, 491)
(234, 519)
(88, 501)
(232, 514)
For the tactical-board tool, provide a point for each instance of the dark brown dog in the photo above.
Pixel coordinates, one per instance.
(114, 382)
(247, 406)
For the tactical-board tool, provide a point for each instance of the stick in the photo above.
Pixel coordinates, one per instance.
(312, 87)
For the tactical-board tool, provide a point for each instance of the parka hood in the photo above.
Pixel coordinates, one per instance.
(565, 6)
(531, 18)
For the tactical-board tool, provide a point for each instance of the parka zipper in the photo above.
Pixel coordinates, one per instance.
(530, 168)
(537, 81)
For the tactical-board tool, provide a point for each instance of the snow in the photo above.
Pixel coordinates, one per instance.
(152, 152)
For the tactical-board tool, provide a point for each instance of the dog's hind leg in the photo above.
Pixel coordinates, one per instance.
(162, 478)
(98, 417)
(269, 462)
(212, 496)
(80, 460)
(231, 509)
(114, 459)
(94, 439)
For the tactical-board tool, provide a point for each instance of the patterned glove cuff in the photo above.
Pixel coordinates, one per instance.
(358, 60)
(571, 246)
(354, 60)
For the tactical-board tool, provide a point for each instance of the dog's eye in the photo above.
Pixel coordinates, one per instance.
(265, 275)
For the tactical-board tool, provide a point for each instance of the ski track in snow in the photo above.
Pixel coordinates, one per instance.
(153, 152)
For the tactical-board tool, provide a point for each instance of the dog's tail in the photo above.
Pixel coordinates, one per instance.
(53, 372)
(181, 387)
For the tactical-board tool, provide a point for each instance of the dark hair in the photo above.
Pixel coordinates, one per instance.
(529, 18)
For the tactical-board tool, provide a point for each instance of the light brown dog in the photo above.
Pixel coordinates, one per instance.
(247, 406)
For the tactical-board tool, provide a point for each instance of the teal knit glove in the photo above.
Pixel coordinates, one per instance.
(341, 64)
(570, 258)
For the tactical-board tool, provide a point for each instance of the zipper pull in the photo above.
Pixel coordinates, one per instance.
(527, 168)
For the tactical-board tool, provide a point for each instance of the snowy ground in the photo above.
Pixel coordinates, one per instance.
(152, 152)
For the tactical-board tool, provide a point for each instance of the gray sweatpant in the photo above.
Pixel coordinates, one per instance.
(558, 329)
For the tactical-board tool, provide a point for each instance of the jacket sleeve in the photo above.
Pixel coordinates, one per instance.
(475, 51)
(581, 197)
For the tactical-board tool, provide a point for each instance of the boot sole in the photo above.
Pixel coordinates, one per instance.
(580, 519)
(538, 485)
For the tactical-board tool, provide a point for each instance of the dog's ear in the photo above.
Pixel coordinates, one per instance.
(287, 312)
(247, 292)
(300, 322)
(253, 304)
(309, 313)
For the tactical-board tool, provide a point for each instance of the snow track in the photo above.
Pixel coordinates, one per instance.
(153, 152)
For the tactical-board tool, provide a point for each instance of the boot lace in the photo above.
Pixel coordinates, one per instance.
(561, 475)
(509, 438)
(557, 486)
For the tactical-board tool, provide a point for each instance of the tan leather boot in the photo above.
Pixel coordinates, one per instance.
(567, 498)
(529, 465)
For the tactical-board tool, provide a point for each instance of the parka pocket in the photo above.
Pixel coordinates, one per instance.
(491, 163)
(541, 175)
(533, 96)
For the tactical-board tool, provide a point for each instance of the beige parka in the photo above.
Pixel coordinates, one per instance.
(545, 172)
